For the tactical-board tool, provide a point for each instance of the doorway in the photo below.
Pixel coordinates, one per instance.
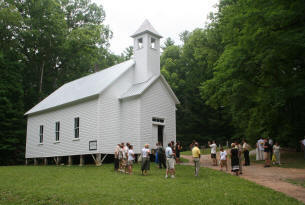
(160, 133)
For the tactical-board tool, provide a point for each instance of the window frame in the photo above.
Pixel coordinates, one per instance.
(76, 128)
(41, 134)
(153, 45)
(57, 131)
(158, 120)
(140, 44)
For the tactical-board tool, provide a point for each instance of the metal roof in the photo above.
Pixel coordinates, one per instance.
(138, 89)
(84, 87)
(146, 27)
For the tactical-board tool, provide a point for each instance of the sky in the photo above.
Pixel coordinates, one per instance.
(168, 17)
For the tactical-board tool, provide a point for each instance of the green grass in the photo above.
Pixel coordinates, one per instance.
(299, 182)
(288, 160)
(101, 185)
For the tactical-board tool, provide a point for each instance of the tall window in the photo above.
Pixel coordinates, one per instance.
(140, 43)
(153, 43)
(41, 134)
(76, 127)
(57, 129)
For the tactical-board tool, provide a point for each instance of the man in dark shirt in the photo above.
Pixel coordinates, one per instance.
(267, 153)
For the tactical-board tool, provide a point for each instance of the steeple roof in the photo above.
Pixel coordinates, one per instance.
(146, 27)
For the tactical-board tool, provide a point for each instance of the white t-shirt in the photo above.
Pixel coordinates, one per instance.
(260, 144)
(223, 155)
(168, 152)
(213, 148)
(130, 155)
(145, 152)
(303, 142)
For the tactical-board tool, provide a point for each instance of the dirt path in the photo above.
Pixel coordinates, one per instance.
(272, 177)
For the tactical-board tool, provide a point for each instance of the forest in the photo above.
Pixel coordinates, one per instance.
(241, 76)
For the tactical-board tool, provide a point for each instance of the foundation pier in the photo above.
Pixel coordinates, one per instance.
(70, 161)
(81, 160)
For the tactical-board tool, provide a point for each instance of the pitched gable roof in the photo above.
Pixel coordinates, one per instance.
(84, 87)
(139, 89)
(146, 27)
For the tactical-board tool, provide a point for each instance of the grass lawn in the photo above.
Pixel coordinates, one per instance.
(100, 185)
(299, 182)
(288, 160)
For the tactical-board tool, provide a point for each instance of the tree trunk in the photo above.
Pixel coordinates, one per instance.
(41, 80)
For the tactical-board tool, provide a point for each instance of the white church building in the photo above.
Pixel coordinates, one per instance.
(128, 102)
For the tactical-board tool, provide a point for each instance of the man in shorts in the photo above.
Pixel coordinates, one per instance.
(170, 161)
(213, 152)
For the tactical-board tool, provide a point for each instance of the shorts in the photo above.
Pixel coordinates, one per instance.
(266, 155)
(213, 156)
(130, 162)
(223, 162)
(170, 163)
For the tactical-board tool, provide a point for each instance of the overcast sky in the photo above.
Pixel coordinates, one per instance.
(168, 17)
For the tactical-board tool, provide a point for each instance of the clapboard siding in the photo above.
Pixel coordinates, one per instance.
(109, 109)
(86, 111)
(130, 122)
(156, 102)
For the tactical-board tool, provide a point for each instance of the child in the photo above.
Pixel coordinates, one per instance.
(223, 159)
(130, 159)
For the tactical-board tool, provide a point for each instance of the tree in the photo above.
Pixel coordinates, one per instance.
(259, 77)
(11, 90)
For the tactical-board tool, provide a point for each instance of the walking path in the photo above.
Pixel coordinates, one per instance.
(272, 177)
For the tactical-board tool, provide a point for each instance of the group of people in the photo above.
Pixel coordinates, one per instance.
(237, 152)
(124, 157)
(268, 151)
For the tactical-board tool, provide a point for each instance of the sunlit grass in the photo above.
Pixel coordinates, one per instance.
(101, 185)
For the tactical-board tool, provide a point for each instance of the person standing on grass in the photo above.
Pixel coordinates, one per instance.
(303, 145)
(125, 156)
(196, 158)
(246, 149)
(156, 153)
(277, 154)
(267, 153)
(234, 159)
(145, 159)
(120, 157)
(116, 158)
(131, 158)
(223, 159)
(170, 161)
(178, 149)
(161, 155)
(213, 147)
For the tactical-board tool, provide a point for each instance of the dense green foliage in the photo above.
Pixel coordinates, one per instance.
(44, 44)
(242, 76)
(100, 185)
(249, 65)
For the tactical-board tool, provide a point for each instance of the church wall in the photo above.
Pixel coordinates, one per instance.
(67, 145)
(157, 102)
(109, 112)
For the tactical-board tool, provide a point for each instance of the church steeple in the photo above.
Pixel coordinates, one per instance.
(146, 52)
